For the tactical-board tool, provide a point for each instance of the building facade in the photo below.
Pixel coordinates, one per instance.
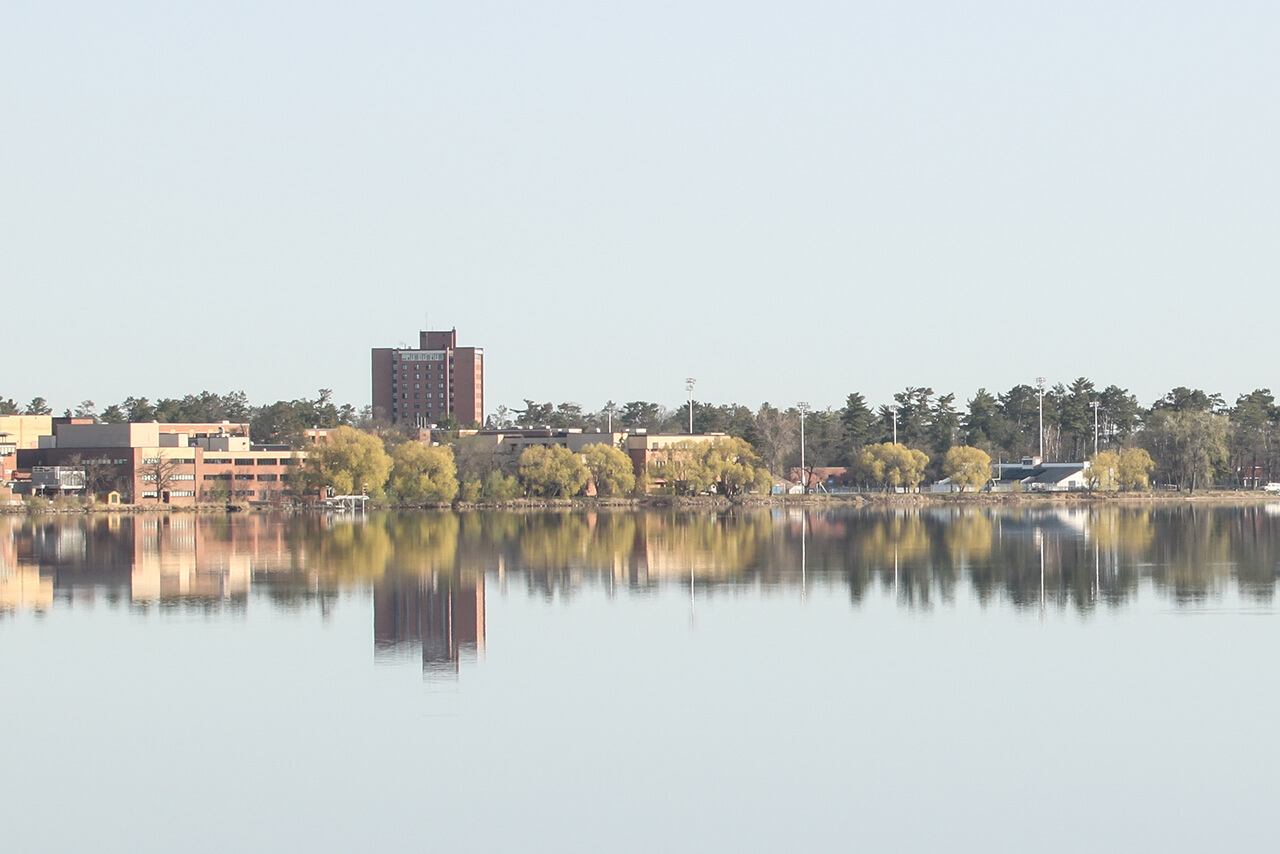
(424, 385)
(181, 464)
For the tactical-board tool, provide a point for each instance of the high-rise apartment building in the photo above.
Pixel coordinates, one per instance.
(424, 385)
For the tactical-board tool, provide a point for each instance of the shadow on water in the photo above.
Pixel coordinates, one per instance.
(427, 572)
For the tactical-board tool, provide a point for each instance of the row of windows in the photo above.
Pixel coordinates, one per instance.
(262, 477)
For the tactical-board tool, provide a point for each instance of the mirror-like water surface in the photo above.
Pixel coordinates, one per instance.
(1051, 678)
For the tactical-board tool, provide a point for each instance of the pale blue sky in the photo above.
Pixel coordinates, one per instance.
(787, 201)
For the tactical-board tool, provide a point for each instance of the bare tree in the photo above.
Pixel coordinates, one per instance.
(159, 471)
(100, 475)
(779, 436)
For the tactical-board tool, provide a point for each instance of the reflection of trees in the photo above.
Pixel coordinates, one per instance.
(712, 545)
(897, 547)
(968, 538)
(341, 551)
(1090, 556)
(423, 542)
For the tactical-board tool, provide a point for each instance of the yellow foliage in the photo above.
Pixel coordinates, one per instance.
(968, 468)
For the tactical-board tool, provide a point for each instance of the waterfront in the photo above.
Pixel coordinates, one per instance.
(1054, 678)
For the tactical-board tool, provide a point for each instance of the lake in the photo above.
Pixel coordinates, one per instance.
(1043, 678)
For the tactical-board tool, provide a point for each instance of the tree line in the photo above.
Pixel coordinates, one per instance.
(282, 422)
(389, 465)
(1193, 437)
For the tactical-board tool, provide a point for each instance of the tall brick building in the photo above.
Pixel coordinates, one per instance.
(421, 386)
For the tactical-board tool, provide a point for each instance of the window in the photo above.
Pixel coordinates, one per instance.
(185, 461)
(269, 477)
(291, 461)
(247, 462)
(268, 462)
(245, 493)
(181, 493)
(217, 461)
(244, 477)
(184, 477)
(149, 493)
(217, 477)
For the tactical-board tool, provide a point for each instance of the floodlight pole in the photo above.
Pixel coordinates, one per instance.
(688, 386)
(1040, 386)
(803, 408)
(1095, 404)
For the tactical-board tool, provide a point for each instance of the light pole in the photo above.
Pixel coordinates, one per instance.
(1095, 404)
(688, 386)
(609, 409)
(803, 408)
(1040, 386)
(894, 411)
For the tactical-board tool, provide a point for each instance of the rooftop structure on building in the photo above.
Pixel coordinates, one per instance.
(430, 383)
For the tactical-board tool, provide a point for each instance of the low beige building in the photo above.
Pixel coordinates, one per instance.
(645, 449)
(179, 464)
(514, 441)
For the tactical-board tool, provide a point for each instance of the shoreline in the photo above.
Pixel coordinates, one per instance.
(868, 500)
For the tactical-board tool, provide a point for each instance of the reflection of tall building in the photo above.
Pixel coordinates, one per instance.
(446, 622)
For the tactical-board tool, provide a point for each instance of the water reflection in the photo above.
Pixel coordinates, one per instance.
(427, 571)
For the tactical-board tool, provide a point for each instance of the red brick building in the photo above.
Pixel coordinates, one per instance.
(424, 385)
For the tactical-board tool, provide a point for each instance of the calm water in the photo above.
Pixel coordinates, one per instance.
(1040, 680)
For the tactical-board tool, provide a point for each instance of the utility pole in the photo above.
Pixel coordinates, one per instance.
(1040, 386)
(688, 386)
(803, 407)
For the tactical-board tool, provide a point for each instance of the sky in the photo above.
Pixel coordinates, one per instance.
(786, 201)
